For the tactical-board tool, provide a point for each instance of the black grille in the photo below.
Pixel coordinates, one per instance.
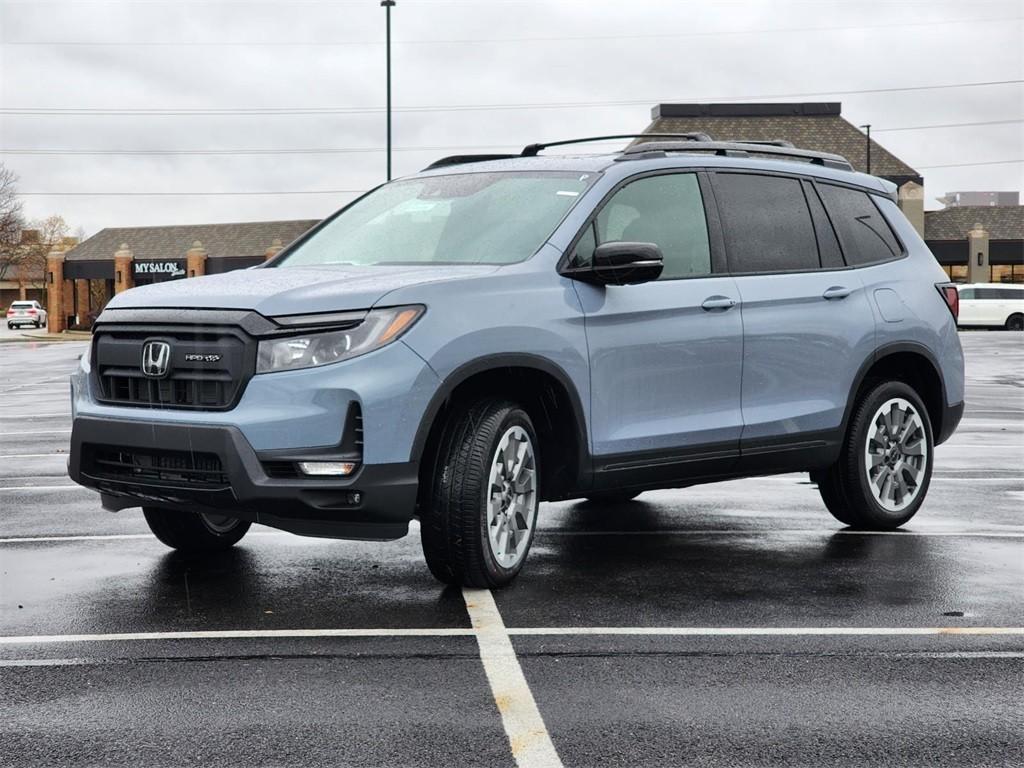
(207, 370)
(174, 468)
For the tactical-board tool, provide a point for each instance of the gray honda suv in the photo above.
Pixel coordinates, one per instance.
(464, 343)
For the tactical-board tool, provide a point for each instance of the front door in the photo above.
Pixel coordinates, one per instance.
(665, 356)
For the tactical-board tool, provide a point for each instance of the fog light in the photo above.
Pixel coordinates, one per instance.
(327, 467)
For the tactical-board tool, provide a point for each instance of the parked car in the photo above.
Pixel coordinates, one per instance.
(464, 343)
(26, 313)
(992, 305)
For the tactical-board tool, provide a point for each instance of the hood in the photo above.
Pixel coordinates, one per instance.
(292, 290)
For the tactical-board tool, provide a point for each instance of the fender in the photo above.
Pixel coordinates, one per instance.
(949, 418)
(496, 362)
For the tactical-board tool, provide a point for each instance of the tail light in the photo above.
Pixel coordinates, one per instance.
(32, 312)
(951, 296)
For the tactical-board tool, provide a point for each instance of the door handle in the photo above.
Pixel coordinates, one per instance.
(837, 292)
(712, 303)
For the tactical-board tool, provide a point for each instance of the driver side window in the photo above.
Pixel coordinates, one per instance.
(666, 210)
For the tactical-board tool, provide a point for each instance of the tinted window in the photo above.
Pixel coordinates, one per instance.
(967, 293)
(767, 224)
(866, 234)
(828, 244)
(666, 210)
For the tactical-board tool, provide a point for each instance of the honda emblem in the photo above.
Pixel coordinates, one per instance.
(156, 359)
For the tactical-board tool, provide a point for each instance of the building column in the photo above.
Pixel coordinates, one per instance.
(274, 249)
(55, 292)
(123, 278)
(195, 260)
(978, 270)
(81, 301)
(910, 198)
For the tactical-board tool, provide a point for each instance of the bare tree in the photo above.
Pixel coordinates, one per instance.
(11, 221)
(50, 232)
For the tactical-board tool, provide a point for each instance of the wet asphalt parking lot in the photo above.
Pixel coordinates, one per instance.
(734, 624)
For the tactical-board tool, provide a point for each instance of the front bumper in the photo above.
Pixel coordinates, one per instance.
(376, 502)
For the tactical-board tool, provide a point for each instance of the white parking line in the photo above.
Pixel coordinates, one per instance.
(232, 634)
(766, 631)
(37, 432)
(67, 487)
(483, 625)
(30, 455)
(556, 532)
(62, 415)
(524, 726)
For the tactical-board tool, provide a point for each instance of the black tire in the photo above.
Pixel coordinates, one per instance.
(613, 497)
(453, 518)
(1015, 323)
(192, 532)
(845, 486)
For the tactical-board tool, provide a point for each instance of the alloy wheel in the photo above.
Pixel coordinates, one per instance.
(896, 454)
(512, 497)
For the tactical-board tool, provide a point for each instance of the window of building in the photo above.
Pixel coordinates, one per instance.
(767, 223)
(957, 272)
(867, 237)
(666, 210)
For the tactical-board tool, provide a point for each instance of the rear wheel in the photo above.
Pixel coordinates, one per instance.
(478, 523)
(885, 465)
(195, 531)
(1015, 323)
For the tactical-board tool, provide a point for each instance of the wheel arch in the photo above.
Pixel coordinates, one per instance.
(547, 393)
(914, 364)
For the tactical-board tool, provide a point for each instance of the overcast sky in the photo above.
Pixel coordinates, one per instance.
(566, 68)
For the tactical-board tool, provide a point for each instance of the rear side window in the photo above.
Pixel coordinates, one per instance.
(667, 210)
(967, 294)
(997, 294)
(767, 224)
(866, 235)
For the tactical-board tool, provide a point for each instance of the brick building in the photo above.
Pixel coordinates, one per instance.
(119, 258)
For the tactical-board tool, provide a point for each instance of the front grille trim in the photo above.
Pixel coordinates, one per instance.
(190, 385)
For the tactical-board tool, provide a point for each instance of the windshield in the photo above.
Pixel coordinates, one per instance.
(469, 218)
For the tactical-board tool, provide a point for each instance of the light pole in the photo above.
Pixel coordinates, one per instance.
(387, 5)
(868, 145)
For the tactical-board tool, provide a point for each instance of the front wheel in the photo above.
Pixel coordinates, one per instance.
(478, 523)
(885, 464)
(194, 532)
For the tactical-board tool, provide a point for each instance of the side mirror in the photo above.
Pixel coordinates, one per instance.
(621, 263)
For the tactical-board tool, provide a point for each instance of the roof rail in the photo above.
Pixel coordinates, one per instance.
(531, 150)
(738, 149)
(461, 159)
(766, 142)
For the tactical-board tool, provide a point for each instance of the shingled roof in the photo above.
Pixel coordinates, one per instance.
(1003, 222)
(251, 238)
(816, 126)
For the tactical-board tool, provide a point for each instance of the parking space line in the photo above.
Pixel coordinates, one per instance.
(519, 712)
(555, 532)
(527, 735)
(764, 631)
(37, 432)
(30, 455)
(233, 634)
(65, 487)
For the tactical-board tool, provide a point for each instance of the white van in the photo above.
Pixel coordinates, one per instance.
(992, 305)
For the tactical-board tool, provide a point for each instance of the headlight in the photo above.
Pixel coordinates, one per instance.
(379, 327)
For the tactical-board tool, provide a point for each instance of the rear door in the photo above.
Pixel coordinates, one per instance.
(971, 308)
(807, 322)
(665, 356)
